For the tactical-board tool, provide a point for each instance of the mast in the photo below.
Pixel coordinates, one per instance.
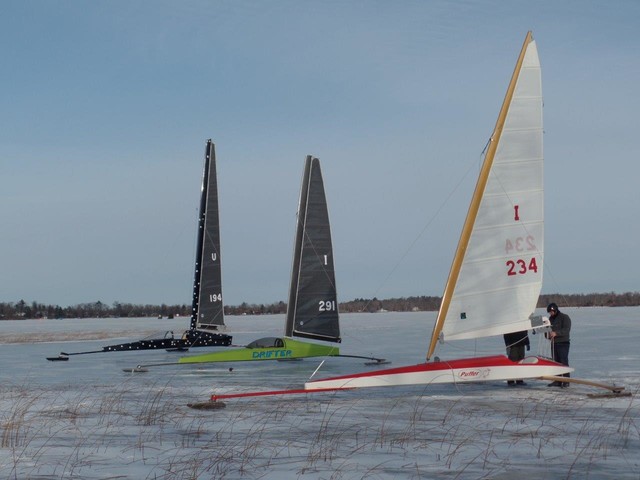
(475, 201)
(297, 249)
(207, 307)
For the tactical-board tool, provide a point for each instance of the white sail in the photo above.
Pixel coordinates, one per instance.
(496, 274)
(501, 273)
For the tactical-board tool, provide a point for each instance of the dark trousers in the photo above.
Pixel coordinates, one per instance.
(515, 353)
(561, 354)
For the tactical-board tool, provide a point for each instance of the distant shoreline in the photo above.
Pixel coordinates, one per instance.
(34, 310)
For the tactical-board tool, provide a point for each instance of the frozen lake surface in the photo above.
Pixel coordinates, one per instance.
(87, 419)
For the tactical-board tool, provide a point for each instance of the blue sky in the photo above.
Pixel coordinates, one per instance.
(105, 108)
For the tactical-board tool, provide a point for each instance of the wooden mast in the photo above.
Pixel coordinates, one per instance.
(475, 202)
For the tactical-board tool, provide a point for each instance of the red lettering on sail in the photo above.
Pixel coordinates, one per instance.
(516, 217)
(520, 266)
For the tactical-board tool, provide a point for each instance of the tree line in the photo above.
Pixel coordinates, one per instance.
(34, 310)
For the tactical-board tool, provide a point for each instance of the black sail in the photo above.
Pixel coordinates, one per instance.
(207, 312)
(313, 304)
(207, 308)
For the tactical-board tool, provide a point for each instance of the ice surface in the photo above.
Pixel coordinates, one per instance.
(86, 419)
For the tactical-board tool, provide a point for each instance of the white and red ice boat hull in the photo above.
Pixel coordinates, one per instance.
(477, 369)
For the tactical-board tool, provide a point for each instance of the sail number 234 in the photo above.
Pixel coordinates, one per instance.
(520, 266)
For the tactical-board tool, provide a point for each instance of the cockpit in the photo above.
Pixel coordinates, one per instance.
(267, 342)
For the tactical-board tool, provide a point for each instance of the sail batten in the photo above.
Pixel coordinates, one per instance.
(505, 225)
(495, 290)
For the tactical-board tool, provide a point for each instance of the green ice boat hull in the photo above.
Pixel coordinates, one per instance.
(267, 349)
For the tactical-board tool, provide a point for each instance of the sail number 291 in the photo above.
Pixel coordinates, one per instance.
(327, 306)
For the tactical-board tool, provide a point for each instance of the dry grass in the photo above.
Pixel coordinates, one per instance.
(133, 432)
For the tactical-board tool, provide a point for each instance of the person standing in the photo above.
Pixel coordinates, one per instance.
(560, 339)
(515, 343)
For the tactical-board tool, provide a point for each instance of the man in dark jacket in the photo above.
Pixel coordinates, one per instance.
(560, 340)
(515, 342)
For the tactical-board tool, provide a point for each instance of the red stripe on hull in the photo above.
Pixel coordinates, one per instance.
(496, 360)
(497, 367)
(461, 370)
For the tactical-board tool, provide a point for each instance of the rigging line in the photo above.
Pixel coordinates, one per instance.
(555, 282)
(428, 224)
(316, 370)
